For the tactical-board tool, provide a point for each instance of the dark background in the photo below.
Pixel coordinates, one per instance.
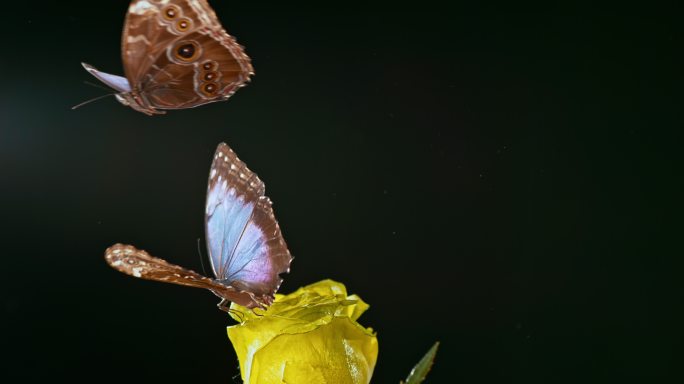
(503, 181)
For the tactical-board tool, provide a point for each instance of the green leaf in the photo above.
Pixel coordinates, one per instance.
(421, 369)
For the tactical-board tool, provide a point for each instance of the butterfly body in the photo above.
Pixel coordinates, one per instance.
(246, 248)
(176, 55)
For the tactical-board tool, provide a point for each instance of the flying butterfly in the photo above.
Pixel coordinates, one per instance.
(176, 55)
(246, 248)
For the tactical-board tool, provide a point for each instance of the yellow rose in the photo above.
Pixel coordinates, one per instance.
(309, 336)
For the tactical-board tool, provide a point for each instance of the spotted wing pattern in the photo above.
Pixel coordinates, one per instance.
(177, 55)
(138, 263)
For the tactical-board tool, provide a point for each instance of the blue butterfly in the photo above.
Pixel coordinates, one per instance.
(246, 248)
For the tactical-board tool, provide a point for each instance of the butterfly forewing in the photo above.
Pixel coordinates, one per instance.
(138, 263)
(245, 245)
(143, 38)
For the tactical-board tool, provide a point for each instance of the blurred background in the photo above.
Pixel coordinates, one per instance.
(502, 181)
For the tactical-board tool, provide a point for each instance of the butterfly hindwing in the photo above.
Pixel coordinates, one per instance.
(245, 244)
(261, 255)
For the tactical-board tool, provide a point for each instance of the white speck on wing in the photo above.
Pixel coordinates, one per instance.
(141, 7)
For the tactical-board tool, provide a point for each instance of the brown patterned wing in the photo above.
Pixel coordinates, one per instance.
(138, 263)
(246, 248)
(177, 55)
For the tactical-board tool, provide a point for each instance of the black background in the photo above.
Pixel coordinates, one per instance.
(503, 181)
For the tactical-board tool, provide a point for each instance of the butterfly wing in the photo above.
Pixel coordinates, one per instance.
(246, 248)
(120, 84)
(177, 55)
(138, 263)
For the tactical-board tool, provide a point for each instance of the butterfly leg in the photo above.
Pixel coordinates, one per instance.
(224, 305)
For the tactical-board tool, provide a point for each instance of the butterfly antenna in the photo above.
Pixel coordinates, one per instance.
(199, 250)
(91, 100)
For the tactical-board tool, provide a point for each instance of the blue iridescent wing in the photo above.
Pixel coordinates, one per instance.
(246, 248)
(119, 83)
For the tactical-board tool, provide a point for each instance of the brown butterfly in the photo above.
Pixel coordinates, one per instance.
(176, 55)
(246, 248)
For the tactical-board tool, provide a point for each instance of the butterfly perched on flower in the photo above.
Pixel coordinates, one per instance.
(246, 248)
(176, 55)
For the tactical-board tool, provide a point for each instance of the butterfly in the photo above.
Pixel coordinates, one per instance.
(246, 248)
(176, 55)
